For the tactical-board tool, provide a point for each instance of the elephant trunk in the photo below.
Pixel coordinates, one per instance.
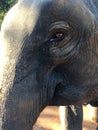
(20, 105)
(21, 97)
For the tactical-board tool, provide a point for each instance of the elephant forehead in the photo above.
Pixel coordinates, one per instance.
(26, 14)
(74, 12)
(62, 8)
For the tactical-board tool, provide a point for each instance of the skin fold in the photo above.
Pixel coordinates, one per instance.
(48, 56)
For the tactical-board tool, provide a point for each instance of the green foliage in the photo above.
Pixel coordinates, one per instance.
(5, 5)
(1, 16)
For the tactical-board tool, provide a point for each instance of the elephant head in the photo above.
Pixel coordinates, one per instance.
(48, 56)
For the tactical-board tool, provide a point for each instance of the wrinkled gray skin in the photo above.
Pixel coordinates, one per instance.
(48, 56)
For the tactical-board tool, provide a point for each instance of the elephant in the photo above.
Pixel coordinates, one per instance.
(48, 56)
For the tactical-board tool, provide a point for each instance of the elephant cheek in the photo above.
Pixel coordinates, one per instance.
(69, 95)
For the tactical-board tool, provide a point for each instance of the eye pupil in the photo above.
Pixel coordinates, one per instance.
(58, 35)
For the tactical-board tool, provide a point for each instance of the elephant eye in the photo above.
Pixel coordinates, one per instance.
(59, 31)
(58, 36)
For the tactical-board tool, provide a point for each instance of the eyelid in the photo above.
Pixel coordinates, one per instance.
(58, 27)
(59, 24)
(54, 31)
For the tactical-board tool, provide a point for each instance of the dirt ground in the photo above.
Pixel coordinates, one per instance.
(49, 119)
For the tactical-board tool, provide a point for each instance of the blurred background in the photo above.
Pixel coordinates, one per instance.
(5, 5)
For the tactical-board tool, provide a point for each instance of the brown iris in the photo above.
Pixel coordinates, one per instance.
(57, 37)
